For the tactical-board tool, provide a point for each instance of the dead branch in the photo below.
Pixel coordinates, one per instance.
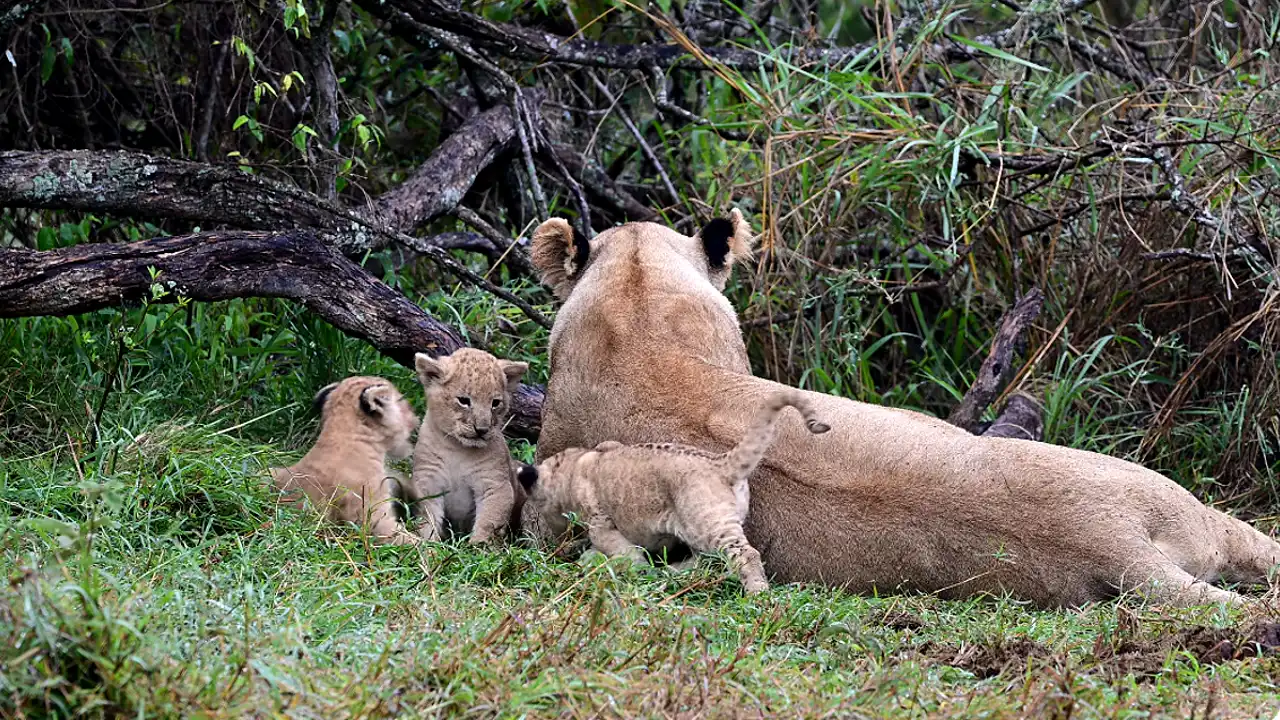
(999, 363)
(1022, 419)
(295, 265)
(440, 183)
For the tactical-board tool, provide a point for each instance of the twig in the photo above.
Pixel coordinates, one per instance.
(664, 104)
(515, 254)
(639, 137)
(210, 99)
(584, 210)
(441, 258)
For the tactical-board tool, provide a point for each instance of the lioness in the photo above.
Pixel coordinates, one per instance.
(363, 422)
(646, 348)
(635, 497)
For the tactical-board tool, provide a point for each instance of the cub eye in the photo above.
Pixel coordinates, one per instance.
(464, 401)
(497, 403)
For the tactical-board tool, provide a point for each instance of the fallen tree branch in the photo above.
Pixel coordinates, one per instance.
(1022, 419)
(146, 186)
(998, 365)
(440, 183)
(208, 267)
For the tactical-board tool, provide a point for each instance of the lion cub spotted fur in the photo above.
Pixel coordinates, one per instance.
(651, 496)
(461, 466)
(363, 422)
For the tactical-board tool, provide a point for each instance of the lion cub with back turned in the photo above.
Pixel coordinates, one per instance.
(363, 422)
(651, 496)
(461, 465)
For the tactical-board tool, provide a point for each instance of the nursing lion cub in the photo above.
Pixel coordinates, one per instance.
(363, 422)
(646, 348)
(461, 466)
(635, 497)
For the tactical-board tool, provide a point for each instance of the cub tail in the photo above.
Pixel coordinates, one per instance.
(744, 458)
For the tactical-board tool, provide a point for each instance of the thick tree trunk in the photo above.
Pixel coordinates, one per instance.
(209, 267)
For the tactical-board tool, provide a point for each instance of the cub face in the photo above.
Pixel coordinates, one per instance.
(468, 394)
(373, 404)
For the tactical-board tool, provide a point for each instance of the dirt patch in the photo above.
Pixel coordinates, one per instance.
(1146, 657)
(1116, 657)
(897, 619)
(987, 660)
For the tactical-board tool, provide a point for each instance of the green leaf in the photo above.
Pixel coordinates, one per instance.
(240, 121)
(997, 52)
(67, 52)
(46, 63)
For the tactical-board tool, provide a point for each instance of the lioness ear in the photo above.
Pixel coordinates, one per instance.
(514, 371)
(726, 241)
(374, 399)
(429, 369)
(317, 402)
(559, 252)
(528, 477)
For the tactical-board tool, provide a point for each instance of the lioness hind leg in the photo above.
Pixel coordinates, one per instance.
(1166, 583)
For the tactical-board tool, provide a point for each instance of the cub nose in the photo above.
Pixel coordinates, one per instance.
(482, 431)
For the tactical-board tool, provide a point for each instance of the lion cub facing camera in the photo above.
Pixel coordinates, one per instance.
(461, 466)
(652, 496)
(363, 421)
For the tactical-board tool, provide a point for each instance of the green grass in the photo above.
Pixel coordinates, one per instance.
(153, 574)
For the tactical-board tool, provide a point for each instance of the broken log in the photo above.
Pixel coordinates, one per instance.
(1022, 419)
(295, 265)
(998, 366)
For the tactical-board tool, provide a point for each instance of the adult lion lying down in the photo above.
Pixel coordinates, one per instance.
(646, 348)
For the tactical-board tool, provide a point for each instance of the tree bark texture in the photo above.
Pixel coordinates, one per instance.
(1021, 419)
(208, 267)
(999, 364)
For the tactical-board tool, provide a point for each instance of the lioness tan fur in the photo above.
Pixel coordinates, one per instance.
(461, 466)
(363, 422)
(646, 348)
(636, 497)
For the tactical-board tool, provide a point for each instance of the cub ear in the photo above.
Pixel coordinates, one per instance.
(528, 477)
(375, 399)
(429, 369)
(726, 241)
(514, 371)
(322, 397)
(560, 253)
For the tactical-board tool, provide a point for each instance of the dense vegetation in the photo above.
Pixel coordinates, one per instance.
(936, 162)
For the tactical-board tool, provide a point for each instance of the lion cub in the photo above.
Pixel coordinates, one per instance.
(650, 496)
(461, 465)
(363, 421)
